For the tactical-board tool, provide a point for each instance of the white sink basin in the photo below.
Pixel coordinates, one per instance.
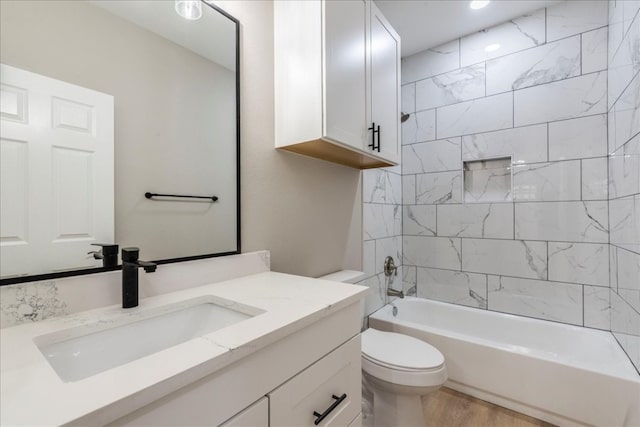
(83, 351)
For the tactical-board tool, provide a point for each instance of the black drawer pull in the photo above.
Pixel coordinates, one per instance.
(333, 406)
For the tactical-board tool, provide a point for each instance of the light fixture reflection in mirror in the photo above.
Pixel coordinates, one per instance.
(189, 9)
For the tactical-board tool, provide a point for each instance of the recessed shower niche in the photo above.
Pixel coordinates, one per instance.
(487, 180)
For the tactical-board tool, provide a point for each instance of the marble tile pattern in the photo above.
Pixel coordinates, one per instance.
(419, 127)
(624, 169)
(542, 64)
(382, 193)
(440, 187)
(516, 258)
(625, 62)
(431, 62)
(452, 87)
(624, 116)
(434, 156)
(419, 220)
(597, 313)
(408, 98)
(481, 220)
(624, 174)
(595, 181)
(409, 277)
(562, 103)
(565, 99)
(594, 50)
(456, 287)
(625, 325)
(625, 222)
(560, 302)
(435, 252)
(513, 36)
(562, 221)
(381, 186)
(409, 189)
(575, 17)
(480, 115)
(526, 144)
(547, 181)
(585, 263)
(579, 138)
(628, 271)
(381, 220)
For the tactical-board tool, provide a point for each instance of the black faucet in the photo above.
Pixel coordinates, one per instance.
(108, 254)
(130, 265)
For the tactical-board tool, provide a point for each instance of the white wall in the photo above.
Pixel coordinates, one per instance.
(307, 212)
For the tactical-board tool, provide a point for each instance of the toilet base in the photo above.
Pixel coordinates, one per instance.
(392, 410)
(394, 405)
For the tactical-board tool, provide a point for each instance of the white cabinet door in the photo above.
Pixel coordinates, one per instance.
(331, 386)
(56, 169)
(345, 54)
(385, 85)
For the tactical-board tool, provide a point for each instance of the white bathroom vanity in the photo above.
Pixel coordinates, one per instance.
(241, 374)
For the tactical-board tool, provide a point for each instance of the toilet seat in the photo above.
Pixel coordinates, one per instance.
(401, 359)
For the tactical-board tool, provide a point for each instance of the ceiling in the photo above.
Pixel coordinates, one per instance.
(423, 24)
(212, 37)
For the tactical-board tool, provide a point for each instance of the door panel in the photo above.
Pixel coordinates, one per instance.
(57, 173)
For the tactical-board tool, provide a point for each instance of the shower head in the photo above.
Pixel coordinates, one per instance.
(404, 117)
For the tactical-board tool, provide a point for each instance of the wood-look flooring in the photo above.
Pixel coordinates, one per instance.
(449, 408)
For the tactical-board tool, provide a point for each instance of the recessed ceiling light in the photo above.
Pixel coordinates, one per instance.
(492, 47)
(478, 4)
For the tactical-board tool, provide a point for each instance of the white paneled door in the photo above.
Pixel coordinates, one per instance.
(57, 173)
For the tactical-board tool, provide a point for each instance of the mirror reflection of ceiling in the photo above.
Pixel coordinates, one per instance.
(159, 17)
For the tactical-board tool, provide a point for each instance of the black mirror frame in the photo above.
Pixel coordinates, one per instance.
(70, 273)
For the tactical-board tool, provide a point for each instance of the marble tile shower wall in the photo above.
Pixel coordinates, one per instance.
(382, 228)
(624, 173)
(533, 90)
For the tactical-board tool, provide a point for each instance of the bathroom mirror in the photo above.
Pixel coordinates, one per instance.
(102, 102)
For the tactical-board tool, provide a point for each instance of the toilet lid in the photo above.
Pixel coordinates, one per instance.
(398, 350)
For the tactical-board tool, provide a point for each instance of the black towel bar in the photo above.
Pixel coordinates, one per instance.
(149, 195)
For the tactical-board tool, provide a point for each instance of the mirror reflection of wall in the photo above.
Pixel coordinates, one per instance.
(173, 84)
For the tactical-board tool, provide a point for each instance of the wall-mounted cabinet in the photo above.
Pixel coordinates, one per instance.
(337, 82)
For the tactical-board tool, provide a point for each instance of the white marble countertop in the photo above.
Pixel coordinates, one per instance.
(31, 393)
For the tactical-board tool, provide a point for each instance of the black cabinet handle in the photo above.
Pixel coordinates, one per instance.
(378, 148)
(334, 405)
(373, 135)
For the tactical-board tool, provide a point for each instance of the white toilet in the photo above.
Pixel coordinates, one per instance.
(397, 369)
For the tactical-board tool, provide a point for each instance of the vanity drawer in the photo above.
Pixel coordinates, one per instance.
(256, 415)
(318, 388)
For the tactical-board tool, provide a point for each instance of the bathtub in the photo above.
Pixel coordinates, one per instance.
(562, 374)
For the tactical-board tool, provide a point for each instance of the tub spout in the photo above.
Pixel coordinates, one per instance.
(394, 293)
